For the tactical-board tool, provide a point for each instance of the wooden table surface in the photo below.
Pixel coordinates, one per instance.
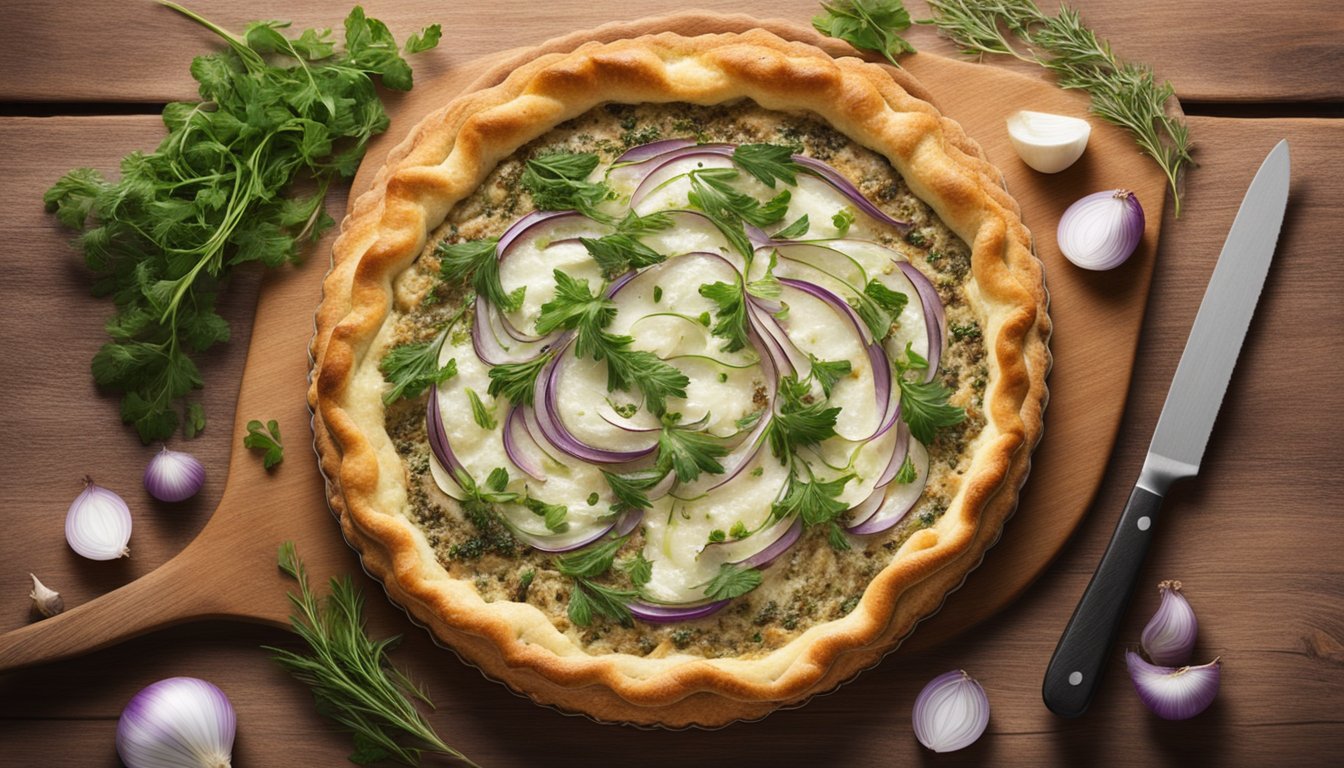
(1255, 538)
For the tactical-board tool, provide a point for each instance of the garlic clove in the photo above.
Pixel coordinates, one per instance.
(47, 602)
(1048, 143)
(1169, 637)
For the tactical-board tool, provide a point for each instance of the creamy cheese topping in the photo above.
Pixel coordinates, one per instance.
(797, 296)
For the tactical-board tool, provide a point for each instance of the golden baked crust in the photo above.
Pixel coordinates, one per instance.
(448, 156)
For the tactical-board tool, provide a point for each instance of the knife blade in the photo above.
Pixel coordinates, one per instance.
(1181, 435)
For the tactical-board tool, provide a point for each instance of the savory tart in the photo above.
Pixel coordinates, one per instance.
(653, 377)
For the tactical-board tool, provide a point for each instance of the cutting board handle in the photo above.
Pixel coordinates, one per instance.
(223, 573)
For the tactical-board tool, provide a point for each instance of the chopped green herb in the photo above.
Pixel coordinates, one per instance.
(688, 452)
(906, 474)
(868, 25)
(621, 251)
(629, 488)
(732, 313)
(717, 536)
(843, 220)
(593, 498)
(592, 561)
(768, 286)
(768, 162)
(639, 569)
(588, 598)
(350, 675)
(517, 381)
(739, 530)
(558, 182)
(413, 368)
(216, 193)
(925, 408)
(728, 208)
(828, 372)
(795, 230)
(267, 440)
(732, 581)
(552, 514)
(817, 502)
(657, 293)
(484, 417)
(798, 422)
(477, 262)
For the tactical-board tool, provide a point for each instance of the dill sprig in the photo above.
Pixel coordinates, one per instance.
(1124, 94)
(350, 675)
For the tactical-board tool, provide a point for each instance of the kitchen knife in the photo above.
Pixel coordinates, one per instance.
(1178, 442)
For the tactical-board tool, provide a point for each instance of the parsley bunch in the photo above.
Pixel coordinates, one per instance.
(162, 239)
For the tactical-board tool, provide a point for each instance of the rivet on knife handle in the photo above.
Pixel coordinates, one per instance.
(1078, 663)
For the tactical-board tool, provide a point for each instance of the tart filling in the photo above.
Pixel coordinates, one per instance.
(780, 348)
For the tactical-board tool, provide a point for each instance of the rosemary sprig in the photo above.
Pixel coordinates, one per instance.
(1124, 94)
(351, 678)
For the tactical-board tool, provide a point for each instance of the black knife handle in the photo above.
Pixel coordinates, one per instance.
(1076, 667)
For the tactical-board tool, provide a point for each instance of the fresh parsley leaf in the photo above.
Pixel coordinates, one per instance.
(688, 452)
(621, 251)
(768, 286)
(768, 162)
(798, 422)
(592, 561)
(817, 502)
(576, 308)
(517, 381)
(477, 261)
(657, 379)
(827, 372)
(739, 530)
(553, 514)
(732, 312)
(350, 675)
(558, 182)
(843, 220)
(492, 491)
(195, 420)
(413, 368)
(795, 230)
(717, 536)
(629, 488)
(266, 439)
(835, 536)
(925, 408)
(484, 417)
(891, 301)
(907, 473)
(868, 25)
(639, 569)
(732, 581)
(588, 598)
(728, 208)
(163, 238)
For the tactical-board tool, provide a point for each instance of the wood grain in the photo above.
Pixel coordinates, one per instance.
(1255, 538)
(146, 58)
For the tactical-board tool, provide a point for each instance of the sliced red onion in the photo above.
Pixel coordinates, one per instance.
(438, 438)
(815, 256)
(486, 341)
(899, 449)
(568, 541)
(900, 498)
(951, 712)
(667, 167)
(1101, 230)
(776, 342)
(1174, 693)
(651, 150)
(847, 188)
(877, 355)
(553, 428)
(629, 521)
(515, 439)
(671, 614)
(769, 553)
(934, 320)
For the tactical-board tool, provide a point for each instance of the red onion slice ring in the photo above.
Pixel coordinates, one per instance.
(846, 187)
(486, 330)
(768, 554)
(651, 150)
(900, 498)
(877, 355)
(671, 614)
(515, 435)
(662, 171)
(934, 319)
(553, 428)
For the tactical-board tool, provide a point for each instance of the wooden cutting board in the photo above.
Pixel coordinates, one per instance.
(223, 573)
